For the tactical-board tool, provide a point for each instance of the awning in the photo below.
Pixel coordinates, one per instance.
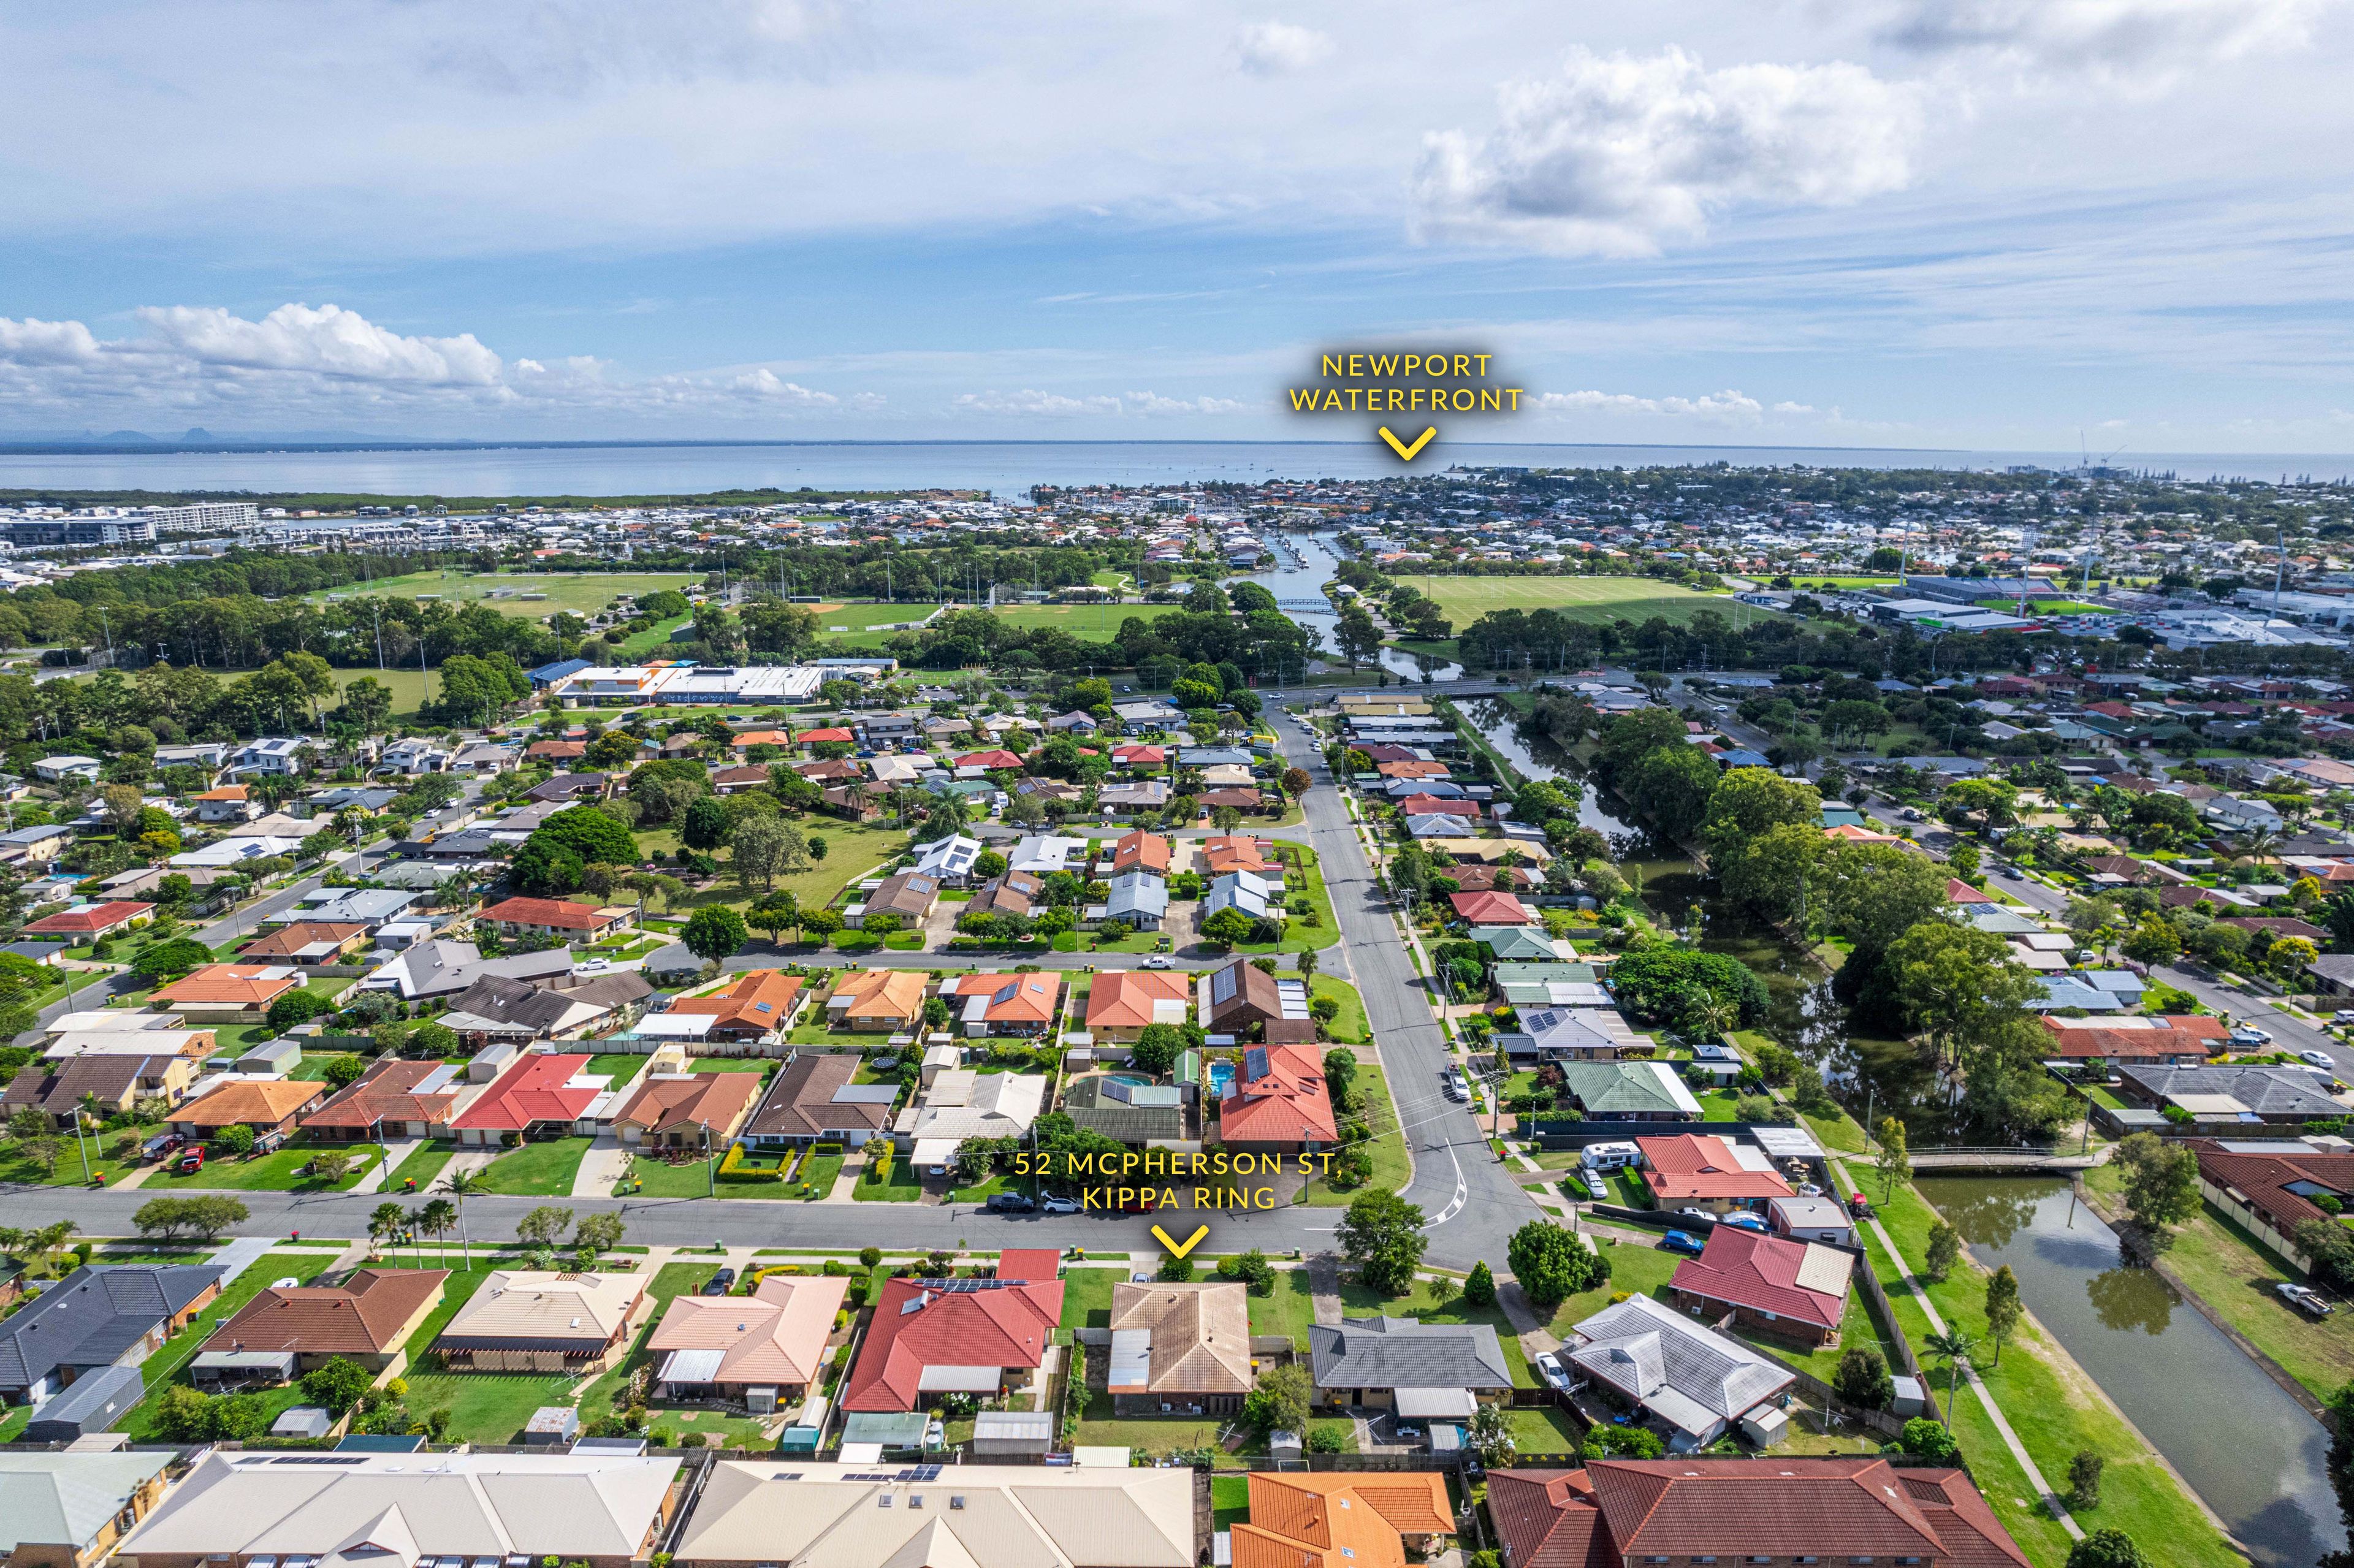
(934, 1153)
(676, 1025)
(1427, 1404)
(278, 1362)
(692, 1366)
(959, 1379)
(1131, 1361)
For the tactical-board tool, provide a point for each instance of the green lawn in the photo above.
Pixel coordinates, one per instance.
(312, 1067)
(1290, 1309)
(729, 1063)
(1541, 1429)
(1087, 1296)
(1302, 876)
(854, 851)
(2039, 1386)
(1229, 1501)
(1391, 1167)
(901, 1188)
(536, 1169)
(621, 1067)
(1637, 1268)
(277, 1173)
(1593, 599)
(70, 1171)
(1349, 1023)
(597, 1405)
(658, 1179)
(583, 593)
(814, 1177)
(423, 1165)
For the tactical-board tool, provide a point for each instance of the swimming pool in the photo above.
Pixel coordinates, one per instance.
(1129, 1078)
(1221, 1078)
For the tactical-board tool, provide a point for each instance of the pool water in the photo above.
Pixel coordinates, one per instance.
(1221, 1078)
(1129, 1078)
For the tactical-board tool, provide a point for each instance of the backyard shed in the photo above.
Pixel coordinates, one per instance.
(1009, 1434)
(91, 1403)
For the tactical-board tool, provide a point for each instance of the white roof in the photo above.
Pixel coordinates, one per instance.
(1427, 1402)
(677, 1025)
(92, 1021)
(235, 852)
(1045, 852)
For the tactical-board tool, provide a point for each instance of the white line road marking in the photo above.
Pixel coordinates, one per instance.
(1462, 1191)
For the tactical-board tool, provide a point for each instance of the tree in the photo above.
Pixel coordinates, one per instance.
(386, 1222)
(1862, 1378)
(775, 914)
(590, 833)
(714, 931)
(1958, 986)
(1382, 1235)
(1157, 1048)
(544, 869)
(2154, 941)
(1491, 1436)
(1924, 1439)
(297, 1007)
(2162, 1185)
(2107, 1548)
(1748, 800)
(2002, 1307)
(331, 1165)
(337, 1384)
(1175, 1270)
(598, 1233)
(1252, 1268)
(235, 1140)
(544, 1226)
(206, 1216)
(345, 1070)
(757, 852)
(1954, 1346)
(1945, 1250)
(1479, 1288)
(1672, 787)
(2085, 1479)
(170, 959)
(1551, 1264)
(1281, 1401)
(1894, 1161)
(1296, 782)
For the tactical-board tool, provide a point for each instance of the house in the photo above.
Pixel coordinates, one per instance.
(1126, 1112)
(57, 770)
(309, 942)
(909, 894)
(960, 1103)
(34, 846)
(1491, 878)
(572, 787)
(562, 1007)
(270, 1106)
(523, 1321)
(1149, 851)
(1593, 1033)
(736, 781)
(819, 1515)
(394, 1098)
(813, 1100)
(555, 751)
(1695, 1383)
(1698, 1171)
(2273, 1187)
(1222, 856)
(1772, 1284)
(2182, 1040)
(602, 1510)
(228, 993)
(1519, 943)
(1046, 853)
(2231, 1096)
(1332, 1519)
(1628, 1091)
(1126, 800)
(278, 755)
(1137, 899)
(765, 1350)
(414, 755)
(290, 1329)
(873, 1000)
(1842, 1509)
(1122, 1002)
(1180, 1347)
(114, 1080)
(950, 860)
(556, 917)
(1021, 1005)
(91, 921)
(484, 757)
(1241, 890)
(68, 1509)
(541, 1095)
(1239, 998)
(687, 1111)
(436, 967)
(1017, 892)
(1430, 1371)
(759, 1004)
(1138, 756)
(96, 1318)
(1278, 1102)
(370, 907)
(1810, 1219)
(980, 1337)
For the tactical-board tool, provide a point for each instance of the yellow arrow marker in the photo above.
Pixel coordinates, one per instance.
(1407, 453)
(1191, 1241)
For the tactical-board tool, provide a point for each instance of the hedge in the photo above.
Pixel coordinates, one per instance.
(734, 1168)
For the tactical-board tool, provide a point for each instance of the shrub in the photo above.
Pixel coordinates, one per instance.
(735, 1168)
(297, 1007)
(1862, 1378)
(1325, 1440)
(1479, 1288)
(1929, 1440)
(2085, 1479)
(1175, 1269)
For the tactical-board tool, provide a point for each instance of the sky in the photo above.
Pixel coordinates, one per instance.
(1991, 224)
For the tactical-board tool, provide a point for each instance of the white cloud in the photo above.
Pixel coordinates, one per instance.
(1030, 403)
(1153, 403)
(324, 359)
(2101, 35)
(1729, 406)
(1620, 154)
(1279, 48)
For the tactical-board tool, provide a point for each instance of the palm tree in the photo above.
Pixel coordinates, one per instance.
(1956, 1346)
(465, 1185)
(384, 1222)
(435, 1219)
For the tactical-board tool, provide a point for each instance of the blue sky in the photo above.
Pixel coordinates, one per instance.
(1988, 223)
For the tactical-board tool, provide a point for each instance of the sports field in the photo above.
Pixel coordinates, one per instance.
(1466, 599)
(583, 593)
(1097, 623)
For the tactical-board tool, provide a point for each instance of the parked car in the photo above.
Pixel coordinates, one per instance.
(2321, 1059)
(1451, 1083)
(1682, 1241)
(1158, 961)
(719, 1284)
(1011, 1204)
(1059, 1206)
(157, 1147)
(2343, 1016)
(1742, 1221)
(1696, 1215)
(1912, 814)
(2249, 1034)
(1549, 1367)
(2304, 1298)
(189, 1163)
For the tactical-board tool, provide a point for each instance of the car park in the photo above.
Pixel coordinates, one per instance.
(1682, 1241)
(2304, 1298)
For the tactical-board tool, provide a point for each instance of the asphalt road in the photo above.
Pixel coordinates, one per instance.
(1471, 1205)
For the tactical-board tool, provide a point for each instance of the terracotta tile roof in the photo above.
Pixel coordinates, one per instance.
(881, 993)
(1840, 1508)
(1439, 806)
(1490, 878)
(1149, 851)
(1960, 892)
(288, 940)
(1743, 1268)
(1411, 768)
(1124, 999)
(998, 758)
(749, 774)
(1000, 1325)
(94, 917)
(1546, 1519)
(559, 913)
(231, 985)
(832, 735)
(557, 750)
(531, 1091)
(755, 1004)
(385, 1092)
(1492, 910)
(1221, 855)
(752, 738)
(1333, 1519)
(776, 1335)
(1139, 756)
(253, 1102)
(1013, 999)
(1698, 1166)
(718, 1101)
(1855, 835)
(2265, 1180)
(1289, 1103)
(226, 792)
(363, 1316)
(2178, 1035)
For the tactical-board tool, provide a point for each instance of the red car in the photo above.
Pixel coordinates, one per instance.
(189, 1163)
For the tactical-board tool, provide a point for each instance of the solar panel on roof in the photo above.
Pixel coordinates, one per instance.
(1255, 1064)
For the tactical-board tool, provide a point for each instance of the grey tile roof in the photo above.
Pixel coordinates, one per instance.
(2267, 1091)
(1404, 1352)
(1674, 1367)
(94, 1315)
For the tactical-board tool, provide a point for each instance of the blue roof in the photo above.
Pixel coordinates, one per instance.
(2065, 990)
(1743, 759)
(547, 674)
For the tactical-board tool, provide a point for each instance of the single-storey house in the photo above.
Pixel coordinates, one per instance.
(813, 1100)
(1430, 1371)
(1772, 1284)
(980, 1337)
(766, 1349)
(290, 1329)
(523, 1321)
(687, 1111)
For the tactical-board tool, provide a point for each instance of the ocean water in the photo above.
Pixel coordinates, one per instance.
(1004, 468)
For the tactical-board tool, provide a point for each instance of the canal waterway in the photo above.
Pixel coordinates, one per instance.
(1305, 562)
(2243, 1445)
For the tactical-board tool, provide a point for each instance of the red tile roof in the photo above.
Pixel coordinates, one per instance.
(385, 1092)
(1439, 806)
(364, 1316)
(755, 1004)
(1693, 1165)
(1743, 1268)
(1289, 1104)
(834, 737)
(561, 914)
(531, 1091)
(998, 757)
(2181, 1034)
(1492, 910)
(95, 917)
(1149, 851)
(2265, 1179)
(1001, 1325)
(1138, 756)
(1960, 892)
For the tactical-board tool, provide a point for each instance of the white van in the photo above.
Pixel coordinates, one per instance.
(1610, 1156)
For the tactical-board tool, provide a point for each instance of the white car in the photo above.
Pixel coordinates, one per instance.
(2321, 1059)
(2249, 1034)
(1158, 961)
(1058, 1205)
(1549, 1367)
(2305, 1299)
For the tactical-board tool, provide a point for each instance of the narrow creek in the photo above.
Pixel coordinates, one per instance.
(2243, 1445)
(2248, 1449)
(1306, 562)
